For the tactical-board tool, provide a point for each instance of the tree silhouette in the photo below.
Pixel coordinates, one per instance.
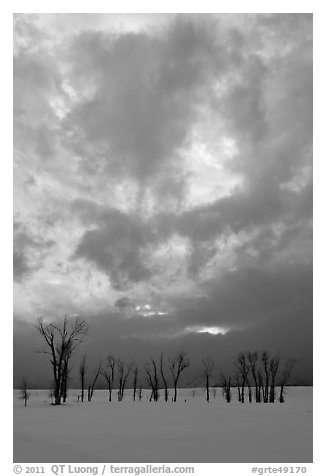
(226, 387)
(109, 374)
(177, 365)
(24, 393)
(152, 378)
(135, 381)
(166, 392)
(61, 339)
(91, 387)
(208, 365)
(242, 374)
(124, 370)
(82, 371)
(273, 370)
(253, 361)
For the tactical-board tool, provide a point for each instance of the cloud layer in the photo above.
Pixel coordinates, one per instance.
(163, 170)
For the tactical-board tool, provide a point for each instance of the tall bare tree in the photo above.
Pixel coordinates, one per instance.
(177, 365)
(61, 339)
(91, 387)
(124, 370)
(82, 372)
(260, 381)
(135, 381)
(253, 361)
(208, 365)
(109, 374)
(166, 391)
(226, 387)
(249, 389)
(237, 379)
(65, 374)
(266, 368)
(152, 378)
(242, 372)
(273, 369)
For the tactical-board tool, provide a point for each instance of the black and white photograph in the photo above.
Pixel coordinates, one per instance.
(162, 238)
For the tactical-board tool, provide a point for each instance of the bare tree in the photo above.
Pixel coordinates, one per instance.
(226, 387)
(260, 381)
(249, 389)
(166, 391)
(237, 379)
(273, 368)
(253, 360)
(91, 387)
(152, 378)
(135, 381)
(109, 374)
(124, 370)
(177, 365)
(266, 368)
(61, 340)
(65, 374)
(24, 393)
(82, 372)
(285, 377)
(243, 370)
(208, 365)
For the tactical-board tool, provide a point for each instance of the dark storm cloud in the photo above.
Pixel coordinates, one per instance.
(250, 295)
(116, 244)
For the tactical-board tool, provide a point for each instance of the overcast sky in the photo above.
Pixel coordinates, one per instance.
(163, 181)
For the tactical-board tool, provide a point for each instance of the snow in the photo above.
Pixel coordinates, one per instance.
(187, 431)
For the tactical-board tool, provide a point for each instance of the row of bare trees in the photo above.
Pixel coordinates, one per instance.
(62, 339)
(118, 373)
(175, 365)
(257, 373)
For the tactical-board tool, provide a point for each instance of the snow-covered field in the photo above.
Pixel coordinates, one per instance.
(188, 431)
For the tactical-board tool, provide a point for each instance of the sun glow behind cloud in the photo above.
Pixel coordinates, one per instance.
(208, 330)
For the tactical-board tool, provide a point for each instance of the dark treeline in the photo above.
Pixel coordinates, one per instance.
(258, 376)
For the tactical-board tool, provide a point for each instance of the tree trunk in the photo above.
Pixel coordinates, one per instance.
(175, 392)
(242, 394)
(272, 394)
(282, 394)
(57, 395)
(82, 388)
(64, 386)
(207, 389)
(250, 393)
